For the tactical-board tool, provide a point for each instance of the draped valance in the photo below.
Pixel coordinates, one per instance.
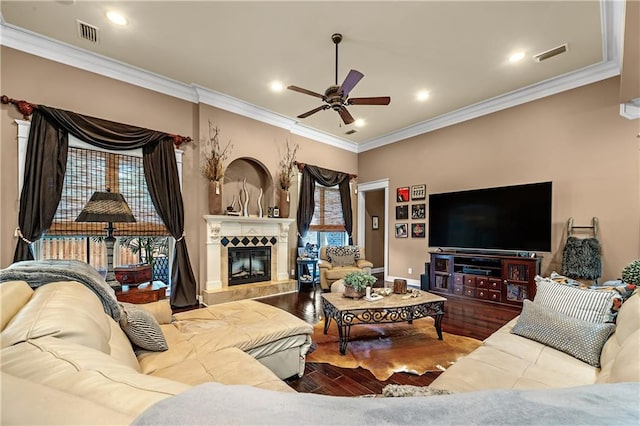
(306, 206)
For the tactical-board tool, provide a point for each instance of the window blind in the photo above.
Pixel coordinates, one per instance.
(327, 215)
(89, 171)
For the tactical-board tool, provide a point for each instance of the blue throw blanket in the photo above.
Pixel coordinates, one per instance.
(40, 272)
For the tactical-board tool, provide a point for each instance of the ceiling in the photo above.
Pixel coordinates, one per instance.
(457, 51)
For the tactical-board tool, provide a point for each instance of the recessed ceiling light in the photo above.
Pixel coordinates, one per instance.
(360, 122)
(516, 57)
(116, 18)
(276, 86)
(422, 95)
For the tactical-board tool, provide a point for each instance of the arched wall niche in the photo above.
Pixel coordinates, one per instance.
(257, 176)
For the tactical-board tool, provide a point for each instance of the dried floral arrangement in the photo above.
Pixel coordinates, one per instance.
(287, 166)
(215, 155)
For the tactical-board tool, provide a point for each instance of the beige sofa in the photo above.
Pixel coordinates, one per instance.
(59, 348)
(332, 272)
(509, 361)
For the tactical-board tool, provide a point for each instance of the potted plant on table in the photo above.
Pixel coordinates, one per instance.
(356, 283)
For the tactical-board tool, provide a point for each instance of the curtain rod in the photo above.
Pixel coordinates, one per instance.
(26, 109)
(301, 167)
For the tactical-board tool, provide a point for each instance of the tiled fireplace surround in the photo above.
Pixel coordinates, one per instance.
(233, 231)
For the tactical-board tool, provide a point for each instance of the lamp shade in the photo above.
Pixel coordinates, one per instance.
(106, 207)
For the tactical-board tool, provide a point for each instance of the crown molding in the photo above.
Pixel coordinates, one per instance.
(612, 22)
(518, 97)
(54, 50)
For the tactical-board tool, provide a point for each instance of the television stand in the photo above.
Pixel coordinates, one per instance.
(504, 279)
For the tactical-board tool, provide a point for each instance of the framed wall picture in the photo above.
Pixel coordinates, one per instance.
(418, 211)
(418, 192)
(417, 230)
(375, 224)
(402, 194)
(402, 212)
(402, 230)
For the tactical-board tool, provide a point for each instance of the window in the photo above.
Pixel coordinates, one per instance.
(90, 170)
(327, 225)
(68, 240)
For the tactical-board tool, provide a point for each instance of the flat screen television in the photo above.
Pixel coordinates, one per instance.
(510, 218)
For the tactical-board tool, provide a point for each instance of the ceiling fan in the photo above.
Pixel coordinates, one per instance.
(337, 97)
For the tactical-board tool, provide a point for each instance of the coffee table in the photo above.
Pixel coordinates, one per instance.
(393, 308)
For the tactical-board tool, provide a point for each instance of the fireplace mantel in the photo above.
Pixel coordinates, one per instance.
(218, 227)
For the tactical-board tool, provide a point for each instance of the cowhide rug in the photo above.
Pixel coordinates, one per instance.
(385, 349)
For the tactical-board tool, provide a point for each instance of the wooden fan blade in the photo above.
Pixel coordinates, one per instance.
(380, 100)
(346, 117)
(350, 82)
(305, 91)
(313, 111)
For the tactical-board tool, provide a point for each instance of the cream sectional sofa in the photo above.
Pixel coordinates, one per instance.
(509, 361)
(60, 349)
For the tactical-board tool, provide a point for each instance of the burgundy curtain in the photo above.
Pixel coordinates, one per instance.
(48, 142)
(325, 177)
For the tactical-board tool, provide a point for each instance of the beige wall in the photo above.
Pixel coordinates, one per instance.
(45, 82)
(374, 239)
(577, 139)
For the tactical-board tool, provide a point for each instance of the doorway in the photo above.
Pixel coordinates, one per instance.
(373, 201)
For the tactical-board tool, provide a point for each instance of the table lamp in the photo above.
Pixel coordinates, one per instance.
(107, 207)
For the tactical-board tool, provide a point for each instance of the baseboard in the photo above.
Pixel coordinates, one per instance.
(377, 270)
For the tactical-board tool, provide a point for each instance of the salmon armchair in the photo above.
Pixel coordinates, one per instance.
(337, 261)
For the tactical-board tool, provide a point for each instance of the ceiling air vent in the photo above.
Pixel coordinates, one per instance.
(350, 132)
(550, 53)
(87, 32)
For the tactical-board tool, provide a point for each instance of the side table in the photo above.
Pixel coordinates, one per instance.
(310, 264)
(144, 293)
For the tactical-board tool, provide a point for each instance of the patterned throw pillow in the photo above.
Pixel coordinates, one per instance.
(142, 328)
(581, 339)
(624, 291)
(587, 305)
(346, 260)
(343, 251)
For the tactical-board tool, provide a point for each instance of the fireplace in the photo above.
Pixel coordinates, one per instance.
(249, 265)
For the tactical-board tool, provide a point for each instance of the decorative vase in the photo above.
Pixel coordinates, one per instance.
(349, 291)
(260, 204)
(245, 202)
(284, 203)
(215, 197)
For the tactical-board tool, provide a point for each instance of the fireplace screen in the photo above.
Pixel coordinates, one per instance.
(249, 265)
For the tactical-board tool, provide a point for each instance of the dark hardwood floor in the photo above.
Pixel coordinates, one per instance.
(462, 317)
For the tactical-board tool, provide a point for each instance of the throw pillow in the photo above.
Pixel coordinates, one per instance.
(141, 328)
(346, 260)
(588, 305)
(581, 339)
(624, 291)
(342, 251)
